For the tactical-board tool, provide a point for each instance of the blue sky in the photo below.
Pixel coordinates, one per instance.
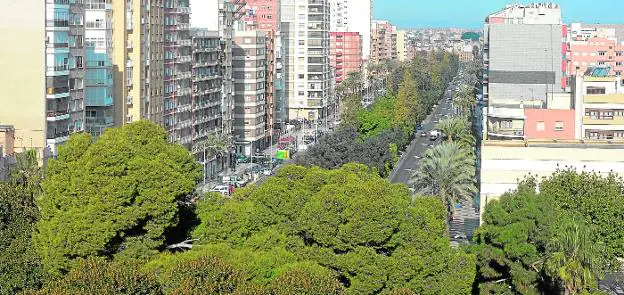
(471, 13)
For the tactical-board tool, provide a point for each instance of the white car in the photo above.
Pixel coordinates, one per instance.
(222, 189)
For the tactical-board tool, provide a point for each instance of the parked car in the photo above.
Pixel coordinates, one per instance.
(222, 189)
(242, 159)
(423, 134)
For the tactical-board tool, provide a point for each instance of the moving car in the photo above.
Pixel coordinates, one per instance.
(433, 135)
(222, 189)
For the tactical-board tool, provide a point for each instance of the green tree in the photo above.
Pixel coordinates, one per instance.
(20, 266)
(116, 196)
(357, 226)
(465, 100)
(406, 111)
(598, 199)
(446, 171)
(535, 244)
(98, 276)
(575, 258)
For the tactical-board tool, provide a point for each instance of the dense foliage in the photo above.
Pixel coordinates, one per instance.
(20, 266)
(117, 196)
(552, 240)
(373, 136)
(369, 233)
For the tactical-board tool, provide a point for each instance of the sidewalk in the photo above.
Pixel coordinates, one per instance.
(241, 168)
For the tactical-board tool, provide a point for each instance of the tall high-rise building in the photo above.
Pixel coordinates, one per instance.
(138, 60)
(345, 54)
(305, 28)
(264, 15)
(29, 97)
(249, 73)
(402, 45)
(98, 73)
(177, 82)
(383, 41)
(524, 56)
(206, 98)
(353, 16)
(221, 16)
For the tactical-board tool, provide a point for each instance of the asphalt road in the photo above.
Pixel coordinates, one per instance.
(409, 161)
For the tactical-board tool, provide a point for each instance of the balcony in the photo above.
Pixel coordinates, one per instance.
(61, 70)
(57, 137)
(507, 113)
(198, 78)
(604, 98)
(183, 91)
(100, 121)
(182, 75)
(507, 133)
(55, 93)
(57, 116)
(184, 42)
(205, 118)
(587, 120)
(183, 59)
(99, 101)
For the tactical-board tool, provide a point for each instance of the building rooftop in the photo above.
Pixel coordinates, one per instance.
(558, 143)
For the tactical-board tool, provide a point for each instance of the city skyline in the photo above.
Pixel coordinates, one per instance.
(471, 14)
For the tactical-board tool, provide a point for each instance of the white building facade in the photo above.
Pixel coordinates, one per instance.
(305, 38)
(353, 16)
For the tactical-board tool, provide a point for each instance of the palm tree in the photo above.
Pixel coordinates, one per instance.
(465, 100)
(446, 171)
(575, 258)
(457, 128)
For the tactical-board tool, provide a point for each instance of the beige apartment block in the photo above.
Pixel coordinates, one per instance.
(23, 86)
(504, 163)
(138, 61)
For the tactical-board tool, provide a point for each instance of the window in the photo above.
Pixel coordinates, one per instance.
(301, 42)
(619, 113)
(595, 90)
(301, 76)
(559, 126)
(618, 63)
(540, 126)
(301, 93)
(506, 124)
(601, 53)
(618, 53)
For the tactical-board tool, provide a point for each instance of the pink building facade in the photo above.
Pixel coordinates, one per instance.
(549, 124)
(345, 53)
(265, 15)
(596, 51)
(594, 45)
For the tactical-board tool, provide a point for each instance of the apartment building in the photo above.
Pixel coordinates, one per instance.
(43, 86)
(503, 163)
(98, 66)
(383, 41)
(177, 63)
(249, 63)
(523, 56)
(345, 54)
(264, 15)
(305, 28)
(353, 16)
(206, 97)
(402, 45)
(596, 45)
(599, 98)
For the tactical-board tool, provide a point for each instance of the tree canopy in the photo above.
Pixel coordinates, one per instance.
(548, 241)
(369, 233)
(117, 196)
